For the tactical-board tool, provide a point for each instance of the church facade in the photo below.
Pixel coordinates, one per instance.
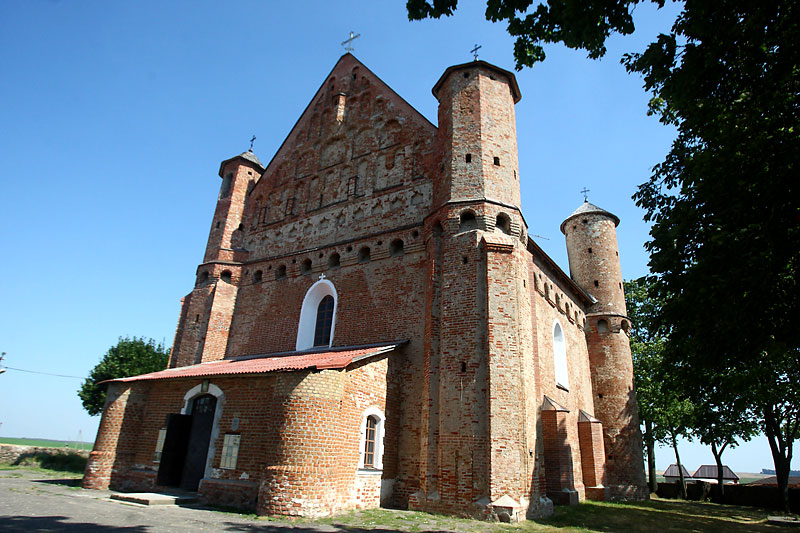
(371, 325)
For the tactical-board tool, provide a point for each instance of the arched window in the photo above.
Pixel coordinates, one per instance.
(364, 255)
(602, 326)
(305, 267)
(322, 330)
(503, 223)
(560, 357)
(396, 248)
(317, 316)
(467, 221)
(372, 433)
(333, 261)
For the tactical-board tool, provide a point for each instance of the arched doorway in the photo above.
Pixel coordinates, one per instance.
(183, 461)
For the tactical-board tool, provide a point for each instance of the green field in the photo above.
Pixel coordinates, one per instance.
(45, 443)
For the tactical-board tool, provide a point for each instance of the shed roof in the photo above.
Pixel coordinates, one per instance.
(672, 471)
(710, 472)
(261, 364)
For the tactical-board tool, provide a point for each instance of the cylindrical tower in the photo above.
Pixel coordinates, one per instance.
(236, 174)
(594, 264)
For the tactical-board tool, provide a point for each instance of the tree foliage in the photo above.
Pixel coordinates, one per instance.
(129, 357)
(664, 409)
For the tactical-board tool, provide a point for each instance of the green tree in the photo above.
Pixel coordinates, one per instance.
(724, 203)
(129, 357)
(663, 407)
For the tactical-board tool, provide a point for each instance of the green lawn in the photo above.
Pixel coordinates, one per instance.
(655, 515)
(45, 443)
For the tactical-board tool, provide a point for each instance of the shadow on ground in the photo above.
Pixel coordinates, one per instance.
(662, 515)
(59, 523)
(66, 482)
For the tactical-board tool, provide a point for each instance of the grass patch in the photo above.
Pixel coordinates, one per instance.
(47, 443)
(659, 515)
(655, 515)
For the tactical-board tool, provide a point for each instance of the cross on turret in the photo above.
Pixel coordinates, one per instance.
(585, 193)
(251, 142)
(474, 51)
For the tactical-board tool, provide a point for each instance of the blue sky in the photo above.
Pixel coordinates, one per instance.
(115, 116)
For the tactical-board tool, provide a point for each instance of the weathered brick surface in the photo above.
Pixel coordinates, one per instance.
(419, 229)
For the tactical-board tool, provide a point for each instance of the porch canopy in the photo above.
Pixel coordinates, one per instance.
(319, 359)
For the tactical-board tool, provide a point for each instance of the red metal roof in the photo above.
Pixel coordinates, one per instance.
(260, 365)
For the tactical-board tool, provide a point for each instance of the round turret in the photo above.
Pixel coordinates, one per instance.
(594, 257)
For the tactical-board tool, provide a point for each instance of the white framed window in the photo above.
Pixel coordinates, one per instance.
(371, 441)
(162, 434)
(230, 451)
(317, 316)
(560, 356)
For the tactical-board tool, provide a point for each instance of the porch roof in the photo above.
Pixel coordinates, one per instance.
(330, 358)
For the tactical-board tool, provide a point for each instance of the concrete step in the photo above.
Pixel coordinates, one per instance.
(155, 498)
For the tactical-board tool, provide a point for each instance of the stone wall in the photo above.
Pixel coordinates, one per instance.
(10, 453)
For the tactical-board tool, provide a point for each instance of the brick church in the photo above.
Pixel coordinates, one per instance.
(372, 325)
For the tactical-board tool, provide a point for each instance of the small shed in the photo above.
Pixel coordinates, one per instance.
(672, 474)
(709, 473)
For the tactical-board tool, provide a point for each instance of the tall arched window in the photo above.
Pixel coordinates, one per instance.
(317, 316)
(322, 330)
(560, 357)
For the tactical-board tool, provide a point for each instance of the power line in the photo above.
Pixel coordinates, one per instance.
(43, 373)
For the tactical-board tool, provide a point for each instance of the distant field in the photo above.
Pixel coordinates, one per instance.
(45, 443)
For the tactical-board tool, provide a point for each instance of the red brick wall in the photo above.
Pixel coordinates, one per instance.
(299, 446)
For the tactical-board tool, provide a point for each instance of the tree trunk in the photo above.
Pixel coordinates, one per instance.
(781, 455)
(720, 478)
(680, 467)
(650, 442)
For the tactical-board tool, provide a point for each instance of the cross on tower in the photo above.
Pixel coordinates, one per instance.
(348, 43)
(251, 142)
(585, 192)
(474, 51)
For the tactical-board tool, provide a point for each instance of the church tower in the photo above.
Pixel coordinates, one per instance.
(207, 311)
(478, 313)
(594, 264)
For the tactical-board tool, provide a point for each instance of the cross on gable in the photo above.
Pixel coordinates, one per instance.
(322, 276)
(348, 43)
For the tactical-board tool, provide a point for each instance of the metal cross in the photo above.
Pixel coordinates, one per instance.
(474, 51)
(585, 192)
(348, 43)
(251, 142)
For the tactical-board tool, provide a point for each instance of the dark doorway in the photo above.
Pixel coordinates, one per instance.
(183, 459)
(194, 467)
(174, 452)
